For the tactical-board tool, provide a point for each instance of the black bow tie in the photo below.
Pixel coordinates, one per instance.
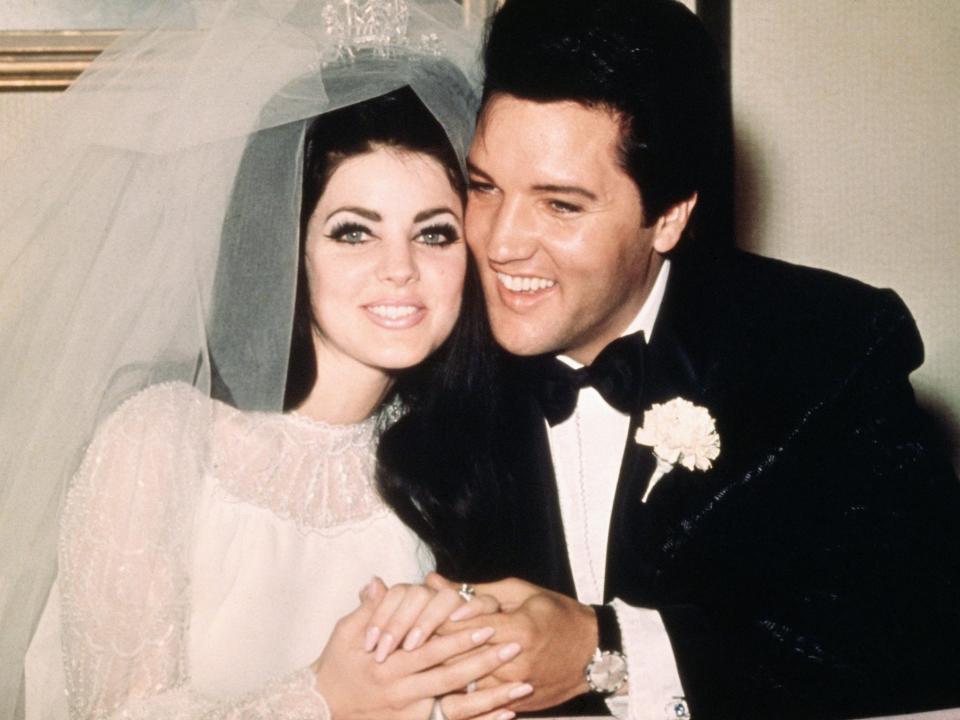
(616, 373)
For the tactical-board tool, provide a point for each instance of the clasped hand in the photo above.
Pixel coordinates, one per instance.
(385, 660)
(518, 646)
(557, 636)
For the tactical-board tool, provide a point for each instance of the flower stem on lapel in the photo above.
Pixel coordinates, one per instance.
(679, 432)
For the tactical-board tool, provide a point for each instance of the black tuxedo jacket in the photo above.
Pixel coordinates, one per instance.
(814, 571)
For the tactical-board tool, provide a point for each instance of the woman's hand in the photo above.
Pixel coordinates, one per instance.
(403, 686)
(407, 615)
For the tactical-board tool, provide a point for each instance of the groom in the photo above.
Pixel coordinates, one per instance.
(780, 539)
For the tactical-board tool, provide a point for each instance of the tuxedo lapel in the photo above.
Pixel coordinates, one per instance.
(673, 368)
(669, 373)
(536, 537)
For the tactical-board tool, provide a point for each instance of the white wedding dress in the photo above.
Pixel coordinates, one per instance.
(206, 554)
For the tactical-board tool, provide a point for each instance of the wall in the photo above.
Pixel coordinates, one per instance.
(18, 111)
(847, 116)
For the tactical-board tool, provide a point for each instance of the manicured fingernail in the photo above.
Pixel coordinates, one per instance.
(384, 648)
(482, 635)
(460, 613)
(506, 715)
(412, 640)
(370, 641)
(508, 652)
(521, 691)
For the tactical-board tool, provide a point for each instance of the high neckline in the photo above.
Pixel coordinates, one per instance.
(368, 422)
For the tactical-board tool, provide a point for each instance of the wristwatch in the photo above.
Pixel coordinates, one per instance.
(606, 672)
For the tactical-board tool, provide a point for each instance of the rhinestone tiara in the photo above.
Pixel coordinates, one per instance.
(375, 26)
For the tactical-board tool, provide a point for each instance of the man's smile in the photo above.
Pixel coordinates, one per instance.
(524, 283)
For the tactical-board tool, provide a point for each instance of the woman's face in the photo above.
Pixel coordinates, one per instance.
(385, 259)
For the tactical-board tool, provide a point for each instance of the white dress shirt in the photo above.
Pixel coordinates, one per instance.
(587, 449)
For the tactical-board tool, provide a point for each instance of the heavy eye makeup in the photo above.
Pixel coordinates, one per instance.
(438, 234)
(350, 232)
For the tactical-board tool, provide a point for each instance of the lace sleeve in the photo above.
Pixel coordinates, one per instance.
(291, 698)
(126, 536)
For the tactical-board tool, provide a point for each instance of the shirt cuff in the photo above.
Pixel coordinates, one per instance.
(655, 690)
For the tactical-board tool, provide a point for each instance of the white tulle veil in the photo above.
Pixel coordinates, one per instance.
(116, 215)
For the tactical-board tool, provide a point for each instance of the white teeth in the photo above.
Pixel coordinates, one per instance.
(392, 312)
(524, 284)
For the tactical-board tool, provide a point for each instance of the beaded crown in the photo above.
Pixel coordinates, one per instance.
(379, 27)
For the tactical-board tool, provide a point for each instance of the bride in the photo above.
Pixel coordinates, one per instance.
(239, 242)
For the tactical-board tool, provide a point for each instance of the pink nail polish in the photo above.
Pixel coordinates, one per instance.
(521, 691)
(384, 648)
(508, 652)
(482, 635)
(412, 640)
(506, 715)
(370, 641)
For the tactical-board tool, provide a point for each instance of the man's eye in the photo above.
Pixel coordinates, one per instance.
(478, 186)
(350, 233)
(438, 235)
(564, 208)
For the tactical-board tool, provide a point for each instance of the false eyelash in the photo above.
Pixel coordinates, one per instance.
(345, 228)
(449, 233)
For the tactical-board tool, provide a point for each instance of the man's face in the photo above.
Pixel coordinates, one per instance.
(557, 227)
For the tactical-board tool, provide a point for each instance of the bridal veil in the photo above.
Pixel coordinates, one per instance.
(149, 230)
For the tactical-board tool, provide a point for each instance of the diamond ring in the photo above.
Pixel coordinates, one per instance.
(467, 592)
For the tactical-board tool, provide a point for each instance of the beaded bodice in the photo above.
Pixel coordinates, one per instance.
(316, 475)
(150, 543)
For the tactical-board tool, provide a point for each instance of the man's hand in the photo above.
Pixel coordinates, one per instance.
(558, 636)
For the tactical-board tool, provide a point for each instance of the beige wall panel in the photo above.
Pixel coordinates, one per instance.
(848, 151)
(18, 113)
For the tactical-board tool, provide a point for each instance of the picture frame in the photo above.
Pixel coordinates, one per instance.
(47, 60)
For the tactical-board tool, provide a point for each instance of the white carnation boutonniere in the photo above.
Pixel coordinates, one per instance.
(679, 432)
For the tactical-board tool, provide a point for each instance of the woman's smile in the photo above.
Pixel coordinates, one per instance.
(396, 315)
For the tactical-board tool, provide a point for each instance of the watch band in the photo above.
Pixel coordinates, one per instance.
(608, 629)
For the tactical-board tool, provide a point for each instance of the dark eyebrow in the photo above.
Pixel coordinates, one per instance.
(566, 189)
(432, 212)
(362, 212)
(474, 170)
(547, 187)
